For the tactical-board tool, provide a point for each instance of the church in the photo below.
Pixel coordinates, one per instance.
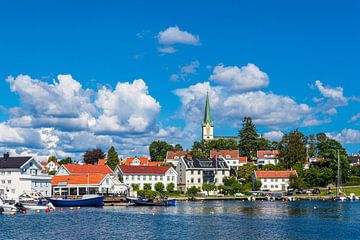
(207, 125)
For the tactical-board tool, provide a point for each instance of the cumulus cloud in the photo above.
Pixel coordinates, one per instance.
(347, 136)
(273, 135)
(248, 77)
(172, 36)
(10, 136)
(355, 117)
(186, 71)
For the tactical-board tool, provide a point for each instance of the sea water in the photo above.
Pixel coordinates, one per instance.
(192, 220)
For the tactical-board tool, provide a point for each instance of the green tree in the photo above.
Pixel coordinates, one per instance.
(248, 136)
(170, 187)
(292, 150)
(178, 147)
(246, 172)
(295, 182)
(257, 184)
(271, 167)
(200, 149)
(135, 187)
(52, 159)
(192, 191)
(158, 150)
(231, 185)
(262, 144)
(112, 158)
(67, 160)
(208, 187)
(52, 172)
(159, 187)
(93, 156)
(147, 186)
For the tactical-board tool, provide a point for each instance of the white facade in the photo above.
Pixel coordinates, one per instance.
(265, 161)
(274, 184)
(25, 179)
(189, 176)
(142, 178)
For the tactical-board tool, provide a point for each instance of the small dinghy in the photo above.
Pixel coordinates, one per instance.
(154, 202)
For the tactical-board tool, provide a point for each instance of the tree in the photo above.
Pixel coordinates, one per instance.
(147, 186)
(257, 184)
(192, 191)
(178, 147)
(292, 150)
(200, 149)
(295, 182)
(271, 167)
(248, 136)
(52, 172)
(262, 144)
(93, 156)
(231, 185)
(159, 187)
(112, 158)
(158, 150)
(208, 187)
(135, 187)
(246, 172)
(52, 159)
(170, 187)
(67, 160)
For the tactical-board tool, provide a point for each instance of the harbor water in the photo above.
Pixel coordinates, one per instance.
(192, 220)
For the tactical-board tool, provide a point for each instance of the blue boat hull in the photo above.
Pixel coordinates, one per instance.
(149, 202)
(88, 202)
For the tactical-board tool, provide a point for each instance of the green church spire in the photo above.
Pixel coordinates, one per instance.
(207, 115)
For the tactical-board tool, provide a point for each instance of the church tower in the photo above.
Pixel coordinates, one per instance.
(207, 124)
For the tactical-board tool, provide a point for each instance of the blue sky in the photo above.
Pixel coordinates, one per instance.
(288, 65)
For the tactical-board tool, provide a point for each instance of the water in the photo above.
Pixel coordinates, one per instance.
(193, 220)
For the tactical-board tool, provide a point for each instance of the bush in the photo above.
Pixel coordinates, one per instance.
(159, 186)
(353, 180)
(193, 191)
(170, 187)
(135, 187)
(147, 186)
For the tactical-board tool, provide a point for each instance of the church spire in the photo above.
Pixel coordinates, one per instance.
(207, 115)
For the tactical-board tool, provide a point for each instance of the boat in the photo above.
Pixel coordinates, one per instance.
(6, 208)
(154, 202)
(29, 202)
(85, 201)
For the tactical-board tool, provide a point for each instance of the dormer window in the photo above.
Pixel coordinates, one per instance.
(228, 156)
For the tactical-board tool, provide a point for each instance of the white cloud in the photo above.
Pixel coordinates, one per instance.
(128, 108)
(186, 71)
(355, 117)
(18, 136)
(273, 135)
(328, 92)
(172, 36)
(347, 136)
(248, 77)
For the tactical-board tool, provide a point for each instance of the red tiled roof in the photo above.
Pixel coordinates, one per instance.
(224, 153)
(172, 154)
(144, 169)
(78, 179)
(262, 153)
(275, 174)
(243, 159)
(88, 169)
(43, 164)
(155, 163)
(143, 160)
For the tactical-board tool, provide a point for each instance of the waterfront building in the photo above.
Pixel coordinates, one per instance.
(146, 174)
(354, 160)
(265, 157)
(274, 180)
(19, 175)
(196, 172)
(173, 157)
(80, 179)
(231, 157)
(50, 166)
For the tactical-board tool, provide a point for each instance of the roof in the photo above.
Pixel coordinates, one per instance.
(155, 163)
(207, 114)
(275, 174)
(13, 162)
(172, 154)
(206, 163)
(267, 153)
(143, 160)
(217, 153)
(87, 169)
(92, 179)
(144, 169)
(104, 161)
(44, 164)
(243, 159)
(354, 159)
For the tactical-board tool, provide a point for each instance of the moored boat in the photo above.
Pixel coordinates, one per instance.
(154, 202)
(6, 208)
(85, 201)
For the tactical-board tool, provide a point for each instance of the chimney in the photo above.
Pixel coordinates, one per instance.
(6, 156)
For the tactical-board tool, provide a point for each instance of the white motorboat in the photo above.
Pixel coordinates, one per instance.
(6, 208)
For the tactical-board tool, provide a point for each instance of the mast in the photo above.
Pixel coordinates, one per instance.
(338, 173)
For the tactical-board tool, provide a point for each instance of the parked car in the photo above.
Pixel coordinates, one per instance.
(316, 191)
(290, 192)
(300, 191)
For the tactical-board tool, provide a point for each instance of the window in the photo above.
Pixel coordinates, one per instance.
(172, 178)
(272, 186)
(138, 177)
(199, 172)
(9, 181)
(132, 177)
(215, 180)
(276, 186)
(276, 180)
(161, 178)
(3, 181)
(35, 184)
(168, 178)
(234, 162)
(265, 186)
(126, 177)
(265, 180)
(192, 180)
(8, 172)
(12, 190)
(150, 178)
(228, 156)
(223, 172)
(33, 171)
(199, 180)
(272, 180)
(192, 172)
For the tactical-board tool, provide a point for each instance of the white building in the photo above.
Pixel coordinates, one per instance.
(265, 157)
(20, 175)
(231, 157)
(274, 180)
(196, 172)
(146, 174)
(50, 166)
